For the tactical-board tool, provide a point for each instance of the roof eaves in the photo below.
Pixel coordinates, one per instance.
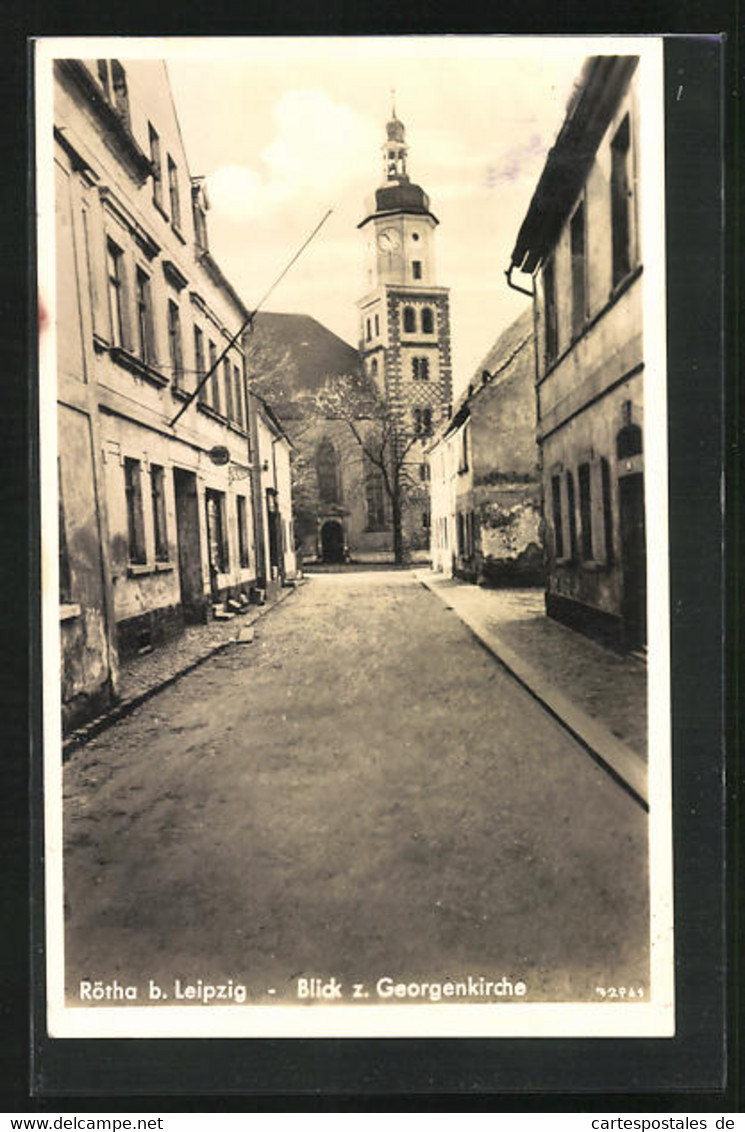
(603, 81)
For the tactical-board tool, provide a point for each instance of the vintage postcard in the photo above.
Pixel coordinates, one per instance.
(355, 581)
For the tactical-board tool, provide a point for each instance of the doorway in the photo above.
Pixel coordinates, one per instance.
(332, 541)
(189, 548)
(633, 558)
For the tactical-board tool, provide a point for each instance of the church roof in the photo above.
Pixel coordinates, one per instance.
(501, 363)
(310, 350)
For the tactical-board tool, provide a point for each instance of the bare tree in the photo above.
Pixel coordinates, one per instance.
(378, 432)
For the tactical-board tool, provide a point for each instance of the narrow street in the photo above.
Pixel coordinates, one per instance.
(361, 791)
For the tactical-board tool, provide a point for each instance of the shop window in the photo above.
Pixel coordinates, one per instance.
(135, 520)
(174, 342)
(217, 540)
(585, 511)
(242, 531)
(620, 188)
(157, 490)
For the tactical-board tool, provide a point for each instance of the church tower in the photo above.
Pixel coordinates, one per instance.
(405, 315)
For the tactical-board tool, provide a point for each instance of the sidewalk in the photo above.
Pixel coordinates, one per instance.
(142, 676)
(598, 694)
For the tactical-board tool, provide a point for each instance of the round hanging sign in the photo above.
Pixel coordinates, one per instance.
(219, 454)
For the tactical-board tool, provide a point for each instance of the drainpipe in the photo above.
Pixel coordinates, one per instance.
(514, 286)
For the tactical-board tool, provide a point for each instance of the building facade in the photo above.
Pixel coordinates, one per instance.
(484, 479)
(405, 319)
(340, 509)
(580, 241)
(156, 514)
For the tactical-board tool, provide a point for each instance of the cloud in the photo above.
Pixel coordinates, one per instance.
(318, 148)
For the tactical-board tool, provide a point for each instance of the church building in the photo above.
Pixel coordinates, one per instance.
(405, 319)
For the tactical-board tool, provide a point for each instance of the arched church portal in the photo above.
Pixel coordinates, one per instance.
(332, 541)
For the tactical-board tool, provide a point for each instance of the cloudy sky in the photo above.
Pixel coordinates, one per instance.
(286, 129)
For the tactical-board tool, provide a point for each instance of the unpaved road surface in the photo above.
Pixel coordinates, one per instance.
(362, 791)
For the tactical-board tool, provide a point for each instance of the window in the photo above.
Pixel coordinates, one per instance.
(579, 298)
(572, 516)
(607, 510)
(199, 362)
(327, 470)
(368, 329)
(228, 382)
(65, 580)
(116, 292)
(374, 367)
(424, 472)
(377, 325)
(217, 542)
(420, 369)
(629, 442)
(620, 189)
(199, 215)
(552, 326)
(145, 346)
(173, 193)
(119, 91)
(557, 517)
(214, 382)
(409, 320)
(174, 342)
(423, 422)
(135, 523)
(242, 531)
(157, 490)
(375, 497)
(464, 444)
(155, 157)
(585, 510)
(428, 322)
(238, 387)
(103, 78)
(416, 268)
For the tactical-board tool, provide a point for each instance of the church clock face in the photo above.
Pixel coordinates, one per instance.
(389, 240)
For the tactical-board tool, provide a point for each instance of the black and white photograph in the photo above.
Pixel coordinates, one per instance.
(354, 565)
